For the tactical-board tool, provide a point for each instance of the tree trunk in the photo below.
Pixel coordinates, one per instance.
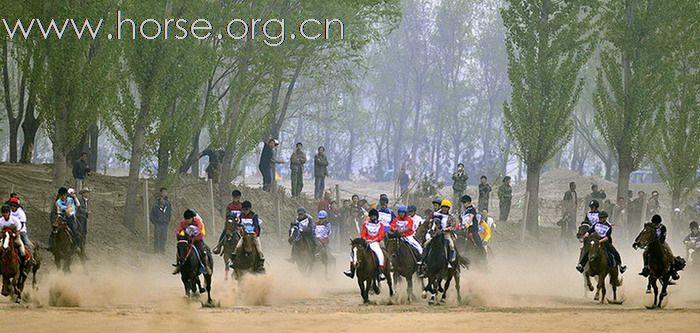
(59, 147)
(533, 190)
(191, 161)
(12, 119)
(624, 168)
(30, 126)
(163, 163)
(93, 142)
(139, 139)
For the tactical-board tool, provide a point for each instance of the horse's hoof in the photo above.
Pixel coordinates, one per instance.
(664, 294)
(648, 291)
(424, 295)
(590, 288)
(596, 298)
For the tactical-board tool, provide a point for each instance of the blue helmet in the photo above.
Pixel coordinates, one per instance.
(322, 214)
(402, 209)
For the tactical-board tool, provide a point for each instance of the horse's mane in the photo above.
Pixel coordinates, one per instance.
(358, 241)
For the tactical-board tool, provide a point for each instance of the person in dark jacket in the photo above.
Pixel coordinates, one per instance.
(459, 182)
(484, 193)
(320, 172)
(81, 169)
(215, 159)
(267, 162)
(296, 165)
(161, 213)
(404, 180)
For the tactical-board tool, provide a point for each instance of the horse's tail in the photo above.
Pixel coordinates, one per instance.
(463, 261)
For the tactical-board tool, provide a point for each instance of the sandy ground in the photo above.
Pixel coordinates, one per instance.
(515, 294)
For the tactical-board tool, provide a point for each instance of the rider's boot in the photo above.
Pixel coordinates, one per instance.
(381, 275)
(177, 269)
(644, 272)
(623, 269)
(351, 272)
(579, 268)
(451, 260)
(674, 275)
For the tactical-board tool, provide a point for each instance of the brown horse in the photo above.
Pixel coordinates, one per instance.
(599, 265)
(63, 248)
(403, 261)
(660, 262)
(227, 244)
(367, 269)
(247, 258)
(10, 266)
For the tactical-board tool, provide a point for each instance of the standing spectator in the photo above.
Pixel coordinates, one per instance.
(267, 162)
(653, 206)
(569, 205)
(296, 165)
(325, 202)
(484, 193)
(636, 213)
(459, 182)
(81, 169)
(620, 218)
(404, 180)
(320, 172)
(215, 159)
(505, 196)
(160, 217)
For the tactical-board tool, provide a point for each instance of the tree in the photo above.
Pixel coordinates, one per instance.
(628, 94)
(548, 42)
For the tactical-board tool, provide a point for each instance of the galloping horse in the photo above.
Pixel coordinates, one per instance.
(191, 268)
(227, 244)
(302, 251)
(403, 262)
(437, 270)
(367, 269)
(599, 265)
(660, 262)
(247, 258)
(10, 266)
(63, 248)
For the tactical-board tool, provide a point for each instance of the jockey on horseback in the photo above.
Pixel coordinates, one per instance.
(444, 221)
(373, 232)
(306, 228)
(18, 213)
(7, 221)
(322, 230)
(385, 214)
(470, 220)
(604, 229)
(65, 208)
(403, 226)
(234, 208)
(193, 226)
(250, 225)
(417, 219)
(692, 241)
(589, 221)
(661, 235)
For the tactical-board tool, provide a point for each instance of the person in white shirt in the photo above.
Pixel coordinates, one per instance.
(18, 213)
(7, 221)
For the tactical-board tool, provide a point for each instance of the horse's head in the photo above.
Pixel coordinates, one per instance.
(646, 236)
(582, 230)
(392, 242)
(184, 246)
(358, 243)
(5, 239)
(595, 249)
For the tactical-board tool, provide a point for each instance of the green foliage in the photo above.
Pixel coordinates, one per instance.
(548, 42)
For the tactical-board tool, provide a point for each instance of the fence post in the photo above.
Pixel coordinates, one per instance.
(145, 213)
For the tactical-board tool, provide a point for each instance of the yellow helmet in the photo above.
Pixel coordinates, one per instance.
(446, 203)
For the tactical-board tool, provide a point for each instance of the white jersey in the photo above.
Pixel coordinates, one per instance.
(322, 231)
(21, 216)
(12, 223)
(417, 221)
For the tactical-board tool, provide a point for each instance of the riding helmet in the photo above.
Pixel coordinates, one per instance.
(62, 191)
(322, 214)
(465, 198)
(412, 208)
(189, 214)
(437, 201)
(594, 203)
(693, 225)
(656, 219)
(5, 209)
(301, 210)
(246, 205)
(373, 212)
(446, 203)
(402, 209)
(603, 214)
(383, 200)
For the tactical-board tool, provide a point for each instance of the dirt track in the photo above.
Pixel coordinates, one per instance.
(148, 299)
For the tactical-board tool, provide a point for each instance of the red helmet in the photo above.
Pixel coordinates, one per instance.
(13, 201)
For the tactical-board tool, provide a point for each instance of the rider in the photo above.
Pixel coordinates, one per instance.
(484, 230)
(373, 232)
(385, 214)
(590, 220)
(250, 224)
(18, 213)
(404, 226)
(604, 229)
(234, 208)
(322, 230)
(228, 235)
(470, 220)
(436, 204)
(417, 219)
(660, 229)
(306, 228)
(692, 241)
(7, 221)
(65, 207)
(446, 224)
(193, 226)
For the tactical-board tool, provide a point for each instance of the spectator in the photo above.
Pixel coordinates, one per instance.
(160, 217)
(320, 172)
(267, 162)
(81, 169)
(404, 180)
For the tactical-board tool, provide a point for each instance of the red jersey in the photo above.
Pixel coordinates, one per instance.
(403, 223)
(372, 231)
(197, 221)
(234, 205)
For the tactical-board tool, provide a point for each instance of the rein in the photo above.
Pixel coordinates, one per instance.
(189, 249)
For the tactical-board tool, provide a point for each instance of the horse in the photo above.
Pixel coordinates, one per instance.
(247, 258)
(302, 251)
(63, 247)
(367, 269)
(403, 262)
(227, 245)
(477, 255)
(437, 270)
(325, 257)
(10, 266)
(599, 265)
(191, 268)
(660, 262)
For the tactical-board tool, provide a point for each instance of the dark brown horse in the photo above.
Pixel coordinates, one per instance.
(660, 262)
(437, 269)
(247, 258)
(367, 269)
(191, 268)
(63, 248)
(302, 251)
(403, 262)
(599, 265)
(227, 244)
(10, 266)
